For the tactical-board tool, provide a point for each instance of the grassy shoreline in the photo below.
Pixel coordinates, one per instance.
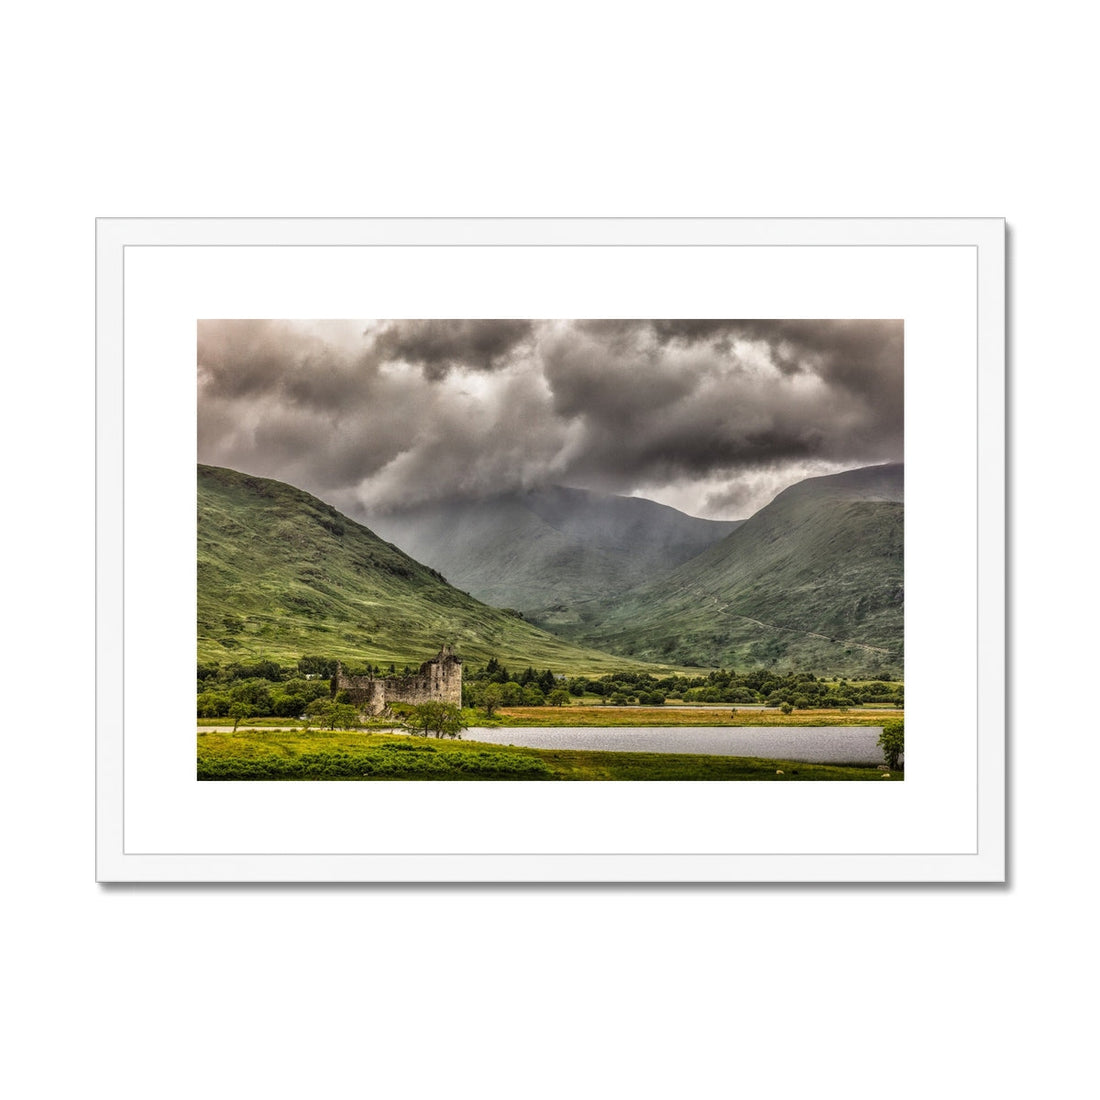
(696, 716)
(294, 755)
(620, 716)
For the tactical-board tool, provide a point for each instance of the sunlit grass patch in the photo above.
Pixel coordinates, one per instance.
(347, 756)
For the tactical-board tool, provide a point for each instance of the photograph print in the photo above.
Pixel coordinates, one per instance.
(550, 550)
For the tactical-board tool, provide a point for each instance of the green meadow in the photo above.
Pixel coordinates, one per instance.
(280, 755)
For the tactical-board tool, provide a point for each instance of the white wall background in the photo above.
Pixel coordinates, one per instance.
(569, 109)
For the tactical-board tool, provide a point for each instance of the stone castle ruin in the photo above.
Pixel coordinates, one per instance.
(438, 681)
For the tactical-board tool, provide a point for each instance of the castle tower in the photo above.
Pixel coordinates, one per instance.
(444, 673)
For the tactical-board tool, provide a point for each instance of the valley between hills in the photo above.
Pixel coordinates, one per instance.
(580, 582)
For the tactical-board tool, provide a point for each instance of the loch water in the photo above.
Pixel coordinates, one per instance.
(810, 744)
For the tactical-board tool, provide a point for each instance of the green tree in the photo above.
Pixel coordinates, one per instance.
(558, 697)
(343, 716)
(440, 719)
(324, 667)
(256, 693)
(892, 742)
(320, 709)
(491, 697)
(330, 714)
(237, 711)
(533, 696)
(212, 704)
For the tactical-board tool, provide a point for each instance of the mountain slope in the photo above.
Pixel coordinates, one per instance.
(813, 581)
(548, 550)
(282, 574)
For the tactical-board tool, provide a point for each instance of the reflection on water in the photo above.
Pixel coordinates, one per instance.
(812, 744)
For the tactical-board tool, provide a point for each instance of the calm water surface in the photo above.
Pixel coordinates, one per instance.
(812, 744)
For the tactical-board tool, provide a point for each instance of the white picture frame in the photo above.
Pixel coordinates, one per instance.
(945, 277)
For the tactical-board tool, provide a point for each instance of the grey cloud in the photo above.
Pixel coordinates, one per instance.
(860, 355)
(504, 440)
(441, 346)
(250, 359)
(591, 372)
(685, 404)
(415, 410)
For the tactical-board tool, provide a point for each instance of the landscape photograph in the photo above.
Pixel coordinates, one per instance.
(518, 550)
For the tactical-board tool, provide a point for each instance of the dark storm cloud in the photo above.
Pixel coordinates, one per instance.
(709, 415)
(595, 368)
(441, 346)
(859, 355)
(661, 399)
(294, 402)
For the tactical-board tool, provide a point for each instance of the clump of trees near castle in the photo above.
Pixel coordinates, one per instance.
(267, 689)
(261, 689)
(432, 719)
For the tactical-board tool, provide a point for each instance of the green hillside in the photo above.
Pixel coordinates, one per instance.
(283, 575)
(814, 581)
(548, 550)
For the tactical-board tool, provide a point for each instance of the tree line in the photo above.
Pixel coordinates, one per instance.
(268, 689)
(794, 689)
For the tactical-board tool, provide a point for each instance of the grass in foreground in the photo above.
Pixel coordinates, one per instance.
(313, 755)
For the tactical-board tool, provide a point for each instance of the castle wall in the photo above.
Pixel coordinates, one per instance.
(365, 692)
(438, 680)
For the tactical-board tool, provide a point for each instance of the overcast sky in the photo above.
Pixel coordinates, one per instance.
(712, 417)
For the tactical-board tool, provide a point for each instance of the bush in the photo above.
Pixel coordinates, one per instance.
(892, 742)
(398, 761)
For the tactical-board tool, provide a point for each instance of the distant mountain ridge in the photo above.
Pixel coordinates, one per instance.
(814, 580)
(545, 551)
(885, 482)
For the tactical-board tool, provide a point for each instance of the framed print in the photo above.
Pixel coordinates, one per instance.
(569, 550)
